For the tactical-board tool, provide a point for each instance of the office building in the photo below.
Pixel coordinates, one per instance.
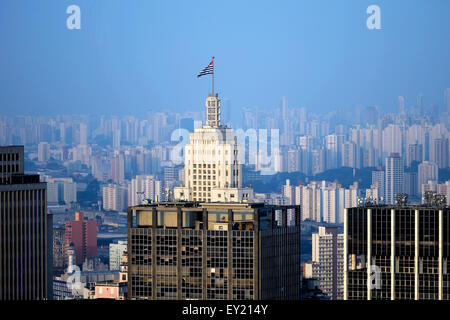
(397, 252)
(191, 250)
(25, 231)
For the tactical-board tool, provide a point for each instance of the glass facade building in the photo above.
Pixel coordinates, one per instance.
(214, 251)
(396, 253)
(25, 231)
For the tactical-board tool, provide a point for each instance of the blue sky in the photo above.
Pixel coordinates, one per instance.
(133, 56)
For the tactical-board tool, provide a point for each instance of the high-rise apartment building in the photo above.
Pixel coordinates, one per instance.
(392, 139)
(59, 259)
(145, 187)
(401, 105)
(25, 231)
(378, 179)
(414, 153)
(328, 261)
(116, 251)
(394, 178)
(43, 151)
(439, 152)
(82, 235)
(115, 197)
(118, 168)
(191, 250)
(447, 99)
(427, 171)
(348, 154)
(396, 253)
(61, 190)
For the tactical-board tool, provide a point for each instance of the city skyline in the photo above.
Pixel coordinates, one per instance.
(311, 163)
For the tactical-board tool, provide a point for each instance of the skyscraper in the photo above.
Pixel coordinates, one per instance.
(115, 197)
(212, 162)
(396, 253)
(427, 171)
(420, 105)
(447, 99)
(394, 177)
(118, 168)
(231, 251)
(43, 151)
(378, 179)
(349, 154)
(25, 231)
(401, 105)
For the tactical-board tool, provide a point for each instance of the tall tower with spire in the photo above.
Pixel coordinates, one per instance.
(212, 169)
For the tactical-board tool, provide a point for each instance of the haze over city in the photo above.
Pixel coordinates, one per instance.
(130, 57)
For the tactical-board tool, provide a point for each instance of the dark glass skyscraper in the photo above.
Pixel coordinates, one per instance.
(25, 262)
(397, 252)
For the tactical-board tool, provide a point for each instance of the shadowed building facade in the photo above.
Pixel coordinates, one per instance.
(25, 231)
(405, 247)
(191, 250)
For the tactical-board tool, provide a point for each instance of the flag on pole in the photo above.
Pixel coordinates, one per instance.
(207, 70)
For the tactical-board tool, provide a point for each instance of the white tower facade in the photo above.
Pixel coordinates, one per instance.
(394, 177)
(212, 169)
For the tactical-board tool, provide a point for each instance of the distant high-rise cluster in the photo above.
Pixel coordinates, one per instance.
(322, 201)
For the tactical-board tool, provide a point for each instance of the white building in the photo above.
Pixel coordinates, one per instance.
(114, 197)
(427, 171)
(61, 190)
(321, 201)
(145, 187)
(212, 167)
(378, 179)
(443, 188)
(394, 177)
(116, 251)
(328, 261)
(43, 151)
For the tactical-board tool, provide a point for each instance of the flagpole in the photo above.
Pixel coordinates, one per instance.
(213, 78)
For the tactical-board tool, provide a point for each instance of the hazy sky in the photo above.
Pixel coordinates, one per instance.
(131, 56)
